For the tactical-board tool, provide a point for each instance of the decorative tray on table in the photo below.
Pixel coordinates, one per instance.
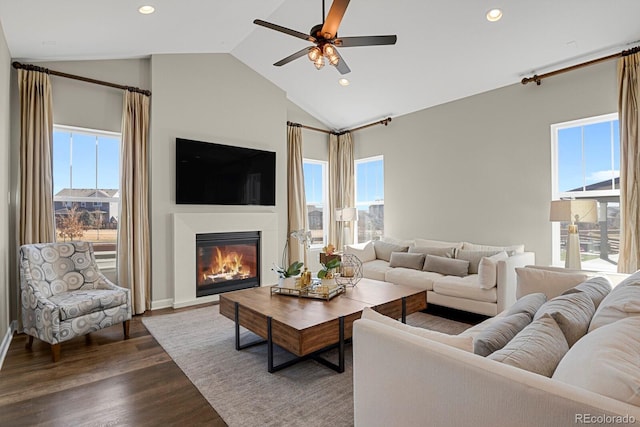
(315, 290)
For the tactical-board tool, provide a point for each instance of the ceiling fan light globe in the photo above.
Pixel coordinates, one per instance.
(319, 63)
(333, 60)
(329, 50)
(314, 54)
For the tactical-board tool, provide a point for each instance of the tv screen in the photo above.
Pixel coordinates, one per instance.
(217, 174)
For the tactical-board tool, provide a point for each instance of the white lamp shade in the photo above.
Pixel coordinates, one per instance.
(583, 210)
(346, 214)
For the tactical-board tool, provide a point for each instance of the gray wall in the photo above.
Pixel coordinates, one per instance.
(214, 98)
(5, 242)
(479, 169)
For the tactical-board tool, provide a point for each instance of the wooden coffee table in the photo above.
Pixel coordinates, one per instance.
(308, 327)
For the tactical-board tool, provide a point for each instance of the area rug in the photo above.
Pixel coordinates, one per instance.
(237, 384)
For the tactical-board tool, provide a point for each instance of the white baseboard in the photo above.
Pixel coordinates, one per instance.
(6, 341)
(163, 303)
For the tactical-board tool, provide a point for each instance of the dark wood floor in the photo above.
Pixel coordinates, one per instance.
(101, 380)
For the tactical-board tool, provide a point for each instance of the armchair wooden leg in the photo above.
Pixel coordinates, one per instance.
(125, 327)
(55, 352)
(29, 342)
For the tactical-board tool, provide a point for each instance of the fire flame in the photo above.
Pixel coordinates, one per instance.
(226, 265)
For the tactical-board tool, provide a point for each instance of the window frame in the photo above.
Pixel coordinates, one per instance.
(379, 157)
(325, 200)
(584, 194)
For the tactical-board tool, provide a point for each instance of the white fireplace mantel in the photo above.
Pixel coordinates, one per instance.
(187, 225)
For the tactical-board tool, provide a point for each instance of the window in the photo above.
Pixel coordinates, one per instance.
(315, 185)
(86, 187)
(370, 198)
(586, 164)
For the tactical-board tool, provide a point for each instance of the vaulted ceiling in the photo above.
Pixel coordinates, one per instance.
(446, 49)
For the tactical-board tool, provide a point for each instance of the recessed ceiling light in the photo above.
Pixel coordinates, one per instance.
(146, 10)
(343, 82)
(494, 15)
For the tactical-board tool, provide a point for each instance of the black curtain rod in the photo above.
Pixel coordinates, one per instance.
(31, 67)
(538, 78)
(380, 122)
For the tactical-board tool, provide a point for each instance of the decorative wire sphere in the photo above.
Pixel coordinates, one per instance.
(350, 270)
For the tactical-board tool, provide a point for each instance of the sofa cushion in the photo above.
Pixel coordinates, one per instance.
(364, 251)
(513, 249)
(605, 361)
(538, 348)
(375, 269)
(414, 278)
(474, 258)
(407, 260)
(444, 265)
(597, 288)
(437, 243)
(461, 342)
(571, 312)
(528, 304)
(464, 287)
(551, 283)
(488, 269)
(427, 250)
(622, 302)
(81, 302)
(384, 249)
(499, 333)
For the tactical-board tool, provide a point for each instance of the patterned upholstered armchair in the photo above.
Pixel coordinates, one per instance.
(64, 294)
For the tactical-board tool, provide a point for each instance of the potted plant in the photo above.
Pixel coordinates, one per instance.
(327, 272)
(287, 276)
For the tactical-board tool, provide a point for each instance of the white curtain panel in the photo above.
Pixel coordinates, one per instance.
(628, 94)
(297, 204)
(36, 179)
(134, 251)
(341, 183)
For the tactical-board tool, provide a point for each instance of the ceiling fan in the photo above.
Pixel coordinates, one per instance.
(325, 37)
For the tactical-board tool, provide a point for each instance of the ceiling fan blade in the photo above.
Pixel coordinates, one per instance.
(331, 24)
(342, 66)
(293, 56)
(365, 41)
(285, 30)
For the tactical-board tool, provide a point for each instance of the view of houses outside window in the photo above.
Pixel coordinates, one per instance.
(315, 185)
(369, 176)
(86, 188)
(586, 164)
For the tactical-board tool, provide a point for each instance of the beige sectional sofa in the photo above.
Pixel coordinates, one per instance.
(575, 360)
(465, 276)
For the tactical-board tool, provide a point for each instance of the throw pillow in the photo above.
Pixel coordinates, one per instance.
(437, 243)
(474, 258)
(488, 269)
(407, 260)
(551, 283)
(571, 312)
(513, 249)
(384, 249)
(605, 361)
(445, 252)
(528, 304)
(364, 251)
(538, 348)
(499, 333)
(597, 288)
(461, 342)
(622, 302)
(446, 266)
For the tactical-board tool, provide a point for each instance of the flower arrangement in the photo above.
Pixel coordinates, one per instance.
(295, 268)
(328, 268)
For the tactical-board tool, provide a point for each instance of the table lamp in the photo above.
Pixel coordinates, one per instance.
(574, 211)
(346, 216)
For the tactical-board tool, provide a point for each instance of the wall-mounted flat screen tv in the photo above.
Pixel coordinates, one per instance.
(218, 174)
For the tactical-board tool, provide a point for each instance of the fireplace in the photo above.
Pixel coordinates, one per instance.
(227, 262)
